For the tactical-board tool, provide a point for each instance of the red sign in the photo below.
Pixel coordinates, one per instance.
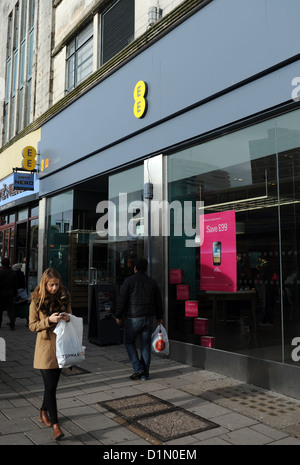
(218, 253)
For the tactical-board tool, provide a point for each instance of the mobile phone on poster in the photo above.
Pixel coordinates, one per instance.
(217, 253)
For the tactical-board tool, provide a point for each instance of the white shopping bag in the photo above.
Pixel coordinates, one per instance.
(69, 348)
(160, 341)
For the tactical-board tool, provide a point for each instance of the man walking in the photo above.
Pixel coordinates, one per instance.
(140, 302)
(8, 290)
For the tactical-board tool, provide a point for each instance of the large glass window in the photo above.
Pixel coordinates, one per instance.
(255, 174)
(83, 237)
(127, 243)
(60, 223)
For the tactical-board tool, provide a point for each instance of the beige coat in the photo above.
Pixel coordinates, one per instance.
(45, 347)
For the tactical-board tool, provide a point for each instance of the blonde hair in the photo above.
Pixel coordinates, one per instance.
(40, 292)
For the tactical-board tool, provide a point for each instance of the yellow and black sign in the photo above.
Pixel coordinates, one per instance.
(29, 158)
(140, 101)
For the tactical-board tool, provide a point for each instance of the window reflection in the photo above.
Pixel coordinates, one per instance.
(243, 172)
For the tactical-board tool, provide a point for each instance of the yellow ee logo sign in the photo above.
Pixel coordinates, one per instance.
(29, 158)
(140, 101)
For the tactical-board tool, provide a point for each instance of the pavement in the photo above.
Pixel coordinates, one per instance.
(179, 408)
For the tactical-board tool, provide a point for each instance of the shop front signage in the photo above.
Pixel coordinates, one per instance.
(24, 181)
(29, 158)
(9, 193)
(140, 100)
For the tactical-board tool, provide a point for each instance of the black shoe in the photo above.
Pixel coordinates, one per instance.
(135, 375)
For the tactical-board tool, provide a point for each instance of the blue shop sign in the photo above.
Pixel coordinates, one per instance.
(24, 181)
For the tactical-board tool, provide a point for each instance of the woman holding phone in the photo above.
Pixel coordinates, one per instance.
(50, 302)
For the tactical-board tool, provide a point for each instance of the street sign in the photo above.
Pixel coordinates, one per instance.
(24, 181)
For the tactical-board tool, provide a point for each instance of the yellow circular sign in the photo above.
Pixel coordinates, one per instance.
(29, 158)
(140, 101)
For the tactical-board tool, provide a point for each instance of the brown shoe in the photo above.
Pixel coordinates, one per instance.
(58, 434)
(43, 417)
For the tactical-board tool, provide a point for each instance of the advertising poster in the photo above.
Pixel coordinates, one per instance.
(218, 252)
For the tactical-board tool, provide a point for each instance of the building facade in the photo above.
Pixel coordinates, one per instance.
(178, 142)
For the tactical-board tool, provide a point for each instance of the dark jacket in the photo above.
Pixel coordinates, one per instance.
(8, 282)
(139, 296)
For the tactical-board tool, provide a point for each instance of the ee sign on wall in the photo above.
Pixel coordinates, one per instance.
(29, 158)
(140, 101)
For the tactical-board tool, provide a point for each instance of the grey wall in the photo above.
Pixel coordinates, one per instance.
(217, 48)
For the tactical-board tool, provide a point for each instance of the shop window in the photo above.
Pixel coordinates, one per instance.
(60, 223)
(255, 173)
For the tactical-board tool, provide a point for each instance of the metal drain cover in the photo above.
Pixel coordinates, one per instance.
(175, 424)
(157, 417)
(133, 407)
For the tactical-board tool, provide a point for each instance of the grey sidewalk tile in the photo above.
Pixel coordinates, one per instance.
(77, 411)
(289, 441)
(95, 422)
(69, 402)
(292, 429)
(20, 412)
(42, 437)
(15, 439)
(274, 434)
(209, 409)
(75, 433)
(246, 436)
(124, 392)
(212, 442)
(116, 435)
(18, 425)
(211, 433)
(5, 403)
(95, 397)
(171, 394)
(150, 385)
(234, 421)
(93, 388)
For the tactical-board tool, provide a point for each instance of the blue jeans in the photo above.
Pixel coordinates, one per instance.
(142, 327)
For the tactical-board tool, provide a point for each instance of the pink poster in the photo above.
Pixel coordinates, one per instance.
(218, 253)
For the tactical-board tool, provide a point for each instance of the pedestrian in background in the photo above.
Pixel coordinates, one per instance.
(8, 291)
(50, 303)
(139, 303)
(17, 268)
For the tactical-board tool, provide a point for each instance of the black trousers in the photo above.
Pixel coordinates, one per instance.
(51, 378)
(7, 303)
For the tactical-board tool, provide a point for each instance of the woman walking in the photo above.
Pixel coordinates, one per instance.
(50, 303)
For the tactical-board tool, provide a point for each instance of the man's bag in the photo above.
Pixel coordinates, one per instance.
(160, 341)
(69, 348)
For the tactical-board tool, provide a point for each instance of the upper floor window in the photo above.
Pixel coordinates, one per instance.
(80, 57)
(18, 84)
(117, 28)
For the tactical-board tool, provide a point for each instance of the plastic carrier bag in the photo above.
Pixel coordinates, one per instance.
(160, 341)
(69, 348)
